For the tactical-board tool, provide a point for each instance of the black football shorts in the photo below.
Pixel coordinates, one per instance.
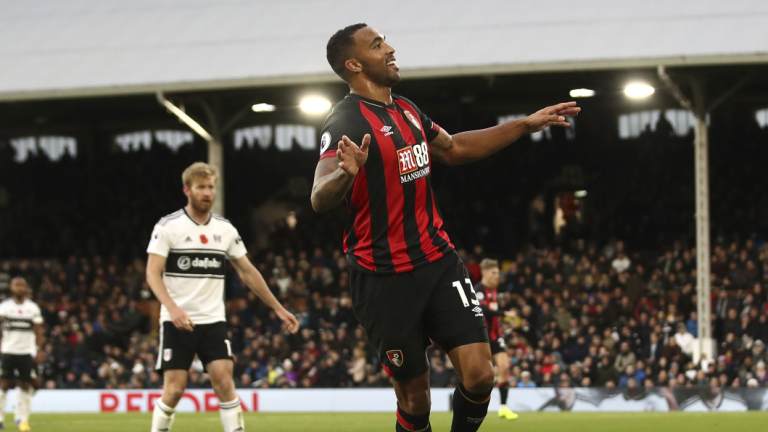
(498, 346)
(17, 367)
(177, 348)
(403, 312)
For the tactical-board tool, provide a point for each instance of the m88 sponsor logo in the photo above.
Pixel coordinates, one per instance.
(413, 162)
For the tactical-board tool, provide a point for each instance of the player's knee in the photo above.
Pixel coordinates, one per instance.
(172, 393)
(416, 403)
(224, 389)
(479, 379)
(503, 376)
(503, 371)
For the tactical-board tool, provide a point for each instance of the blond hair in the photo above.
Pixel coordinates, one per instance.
(198, 170)
(487, 264)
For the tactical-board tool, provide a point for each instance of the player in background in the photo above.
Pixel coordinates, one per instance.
(407, 282)
(21, 348)
(185, 270)
(487, 293)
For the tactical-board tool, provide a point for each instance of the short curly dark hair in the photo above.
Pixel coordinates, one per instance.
(337, 50)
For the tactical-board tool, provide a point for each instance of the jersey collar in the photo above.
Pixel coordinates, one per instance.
(374, 102)
(210, 216)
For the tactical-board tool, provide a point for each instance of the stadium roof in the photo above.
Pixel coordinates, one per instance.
(51, 48)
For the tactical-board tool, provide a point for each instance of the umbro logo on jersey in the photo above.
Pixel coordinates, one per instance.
(386, 130)
(478, 311)
(188, 239)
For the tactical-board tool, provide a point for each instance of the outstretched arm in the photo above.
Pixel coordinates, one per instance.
(478, 144)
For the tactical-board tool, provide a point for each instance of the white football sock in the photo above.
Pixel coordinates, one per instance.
(162, 417)
(3, 396)
(232, 416)
(23, 406)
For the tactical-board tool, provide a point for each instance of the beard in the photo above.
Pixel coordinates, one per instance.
(201, 206)
(383, 76)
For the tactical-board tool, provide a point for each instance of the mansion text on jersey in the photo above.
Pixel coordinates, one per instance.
(405, 178)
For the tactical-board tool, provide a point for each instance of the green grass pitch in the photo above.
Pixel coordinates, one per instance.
(304, 422)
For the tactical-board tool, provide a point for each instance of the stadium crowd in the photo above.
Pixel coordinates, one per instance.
(585, 316)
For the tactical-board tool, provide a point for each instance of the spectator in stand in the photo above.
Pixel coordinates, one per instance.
(684, 339)
(525, 380)
(625, 358)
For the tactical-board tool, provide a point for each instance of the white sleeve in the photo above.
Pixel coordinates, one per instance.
(236, 247)
(159, 243)
(2, 310)
(37, 318)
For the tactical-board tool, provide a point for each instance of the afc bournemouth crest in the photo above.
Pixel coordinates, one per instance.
(325, 142)
(395, 357)
(203, 239)
(412, 119)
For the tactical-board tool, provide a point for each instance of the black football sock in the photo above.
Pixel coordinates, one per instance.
(412, 423)
(503, 392)
(469, 409)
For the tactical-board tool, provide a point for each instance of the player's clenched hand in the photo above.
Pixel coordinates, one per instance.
(180, 319)
(551, 116)
(290, 322)
(351, 156)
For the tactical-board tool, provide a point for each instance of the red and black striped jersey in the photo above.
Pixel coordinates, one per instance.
(394, 223)
(489, 302)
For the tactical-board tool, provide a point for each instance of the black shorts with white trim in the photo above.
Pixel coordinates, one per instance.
(178, 348)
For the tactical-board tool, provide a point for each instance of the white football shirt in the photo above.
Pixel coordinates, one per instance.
(18, 326)
(195, 263)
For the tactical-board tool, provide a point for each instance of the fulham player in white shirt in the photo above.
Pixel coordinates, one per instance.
(185, 269)
(21, 347)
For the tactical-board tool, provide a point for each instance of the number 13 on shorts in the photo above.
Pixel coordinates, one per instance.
(464, 300)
